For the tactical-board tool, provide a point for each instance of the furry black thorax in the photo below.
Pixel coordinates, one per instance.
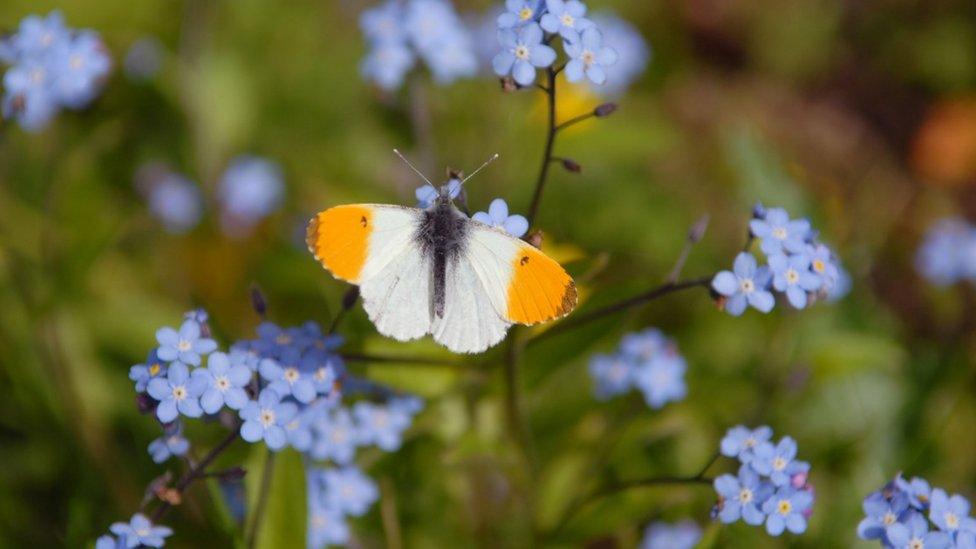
(441, 235)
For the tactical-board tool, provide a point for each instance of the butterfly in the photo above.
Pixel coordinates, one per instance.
(436, 271)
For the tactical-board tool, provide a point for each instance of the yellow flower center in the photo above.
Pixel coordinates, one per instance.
(522, 52)
(267, 417)
(951, 520)
(779, 464)
(525, 13)
(916, 543)
(283, 339)
(321, 373)
(750, 442)
(784, 507)
(568, 20)
(745, 495)
(154, 369)
(179, 392)
(792, 276)
(780, 233)
(819, 265)
(76, 61)
(889, 518)
(588, 57)
(747, 286)
(291, 374)
(222, 383)
(184, 345)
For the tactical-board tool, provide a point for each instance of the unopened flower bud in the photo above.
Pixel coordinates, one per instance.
(605, 109)
(258, 303)
(571, 165)
(508, 84)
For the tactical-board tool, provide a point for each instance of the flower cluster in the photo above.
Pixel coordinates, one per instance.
(633, 53)
(51, 67)
(910, 514)
(527, 28)
(287, 387)
(948, 254)
(661, 535)
(399, 32)
(647, 361)
(249, 190)
(138, 532)
(798, 266)
(771, 485)
(496, 216)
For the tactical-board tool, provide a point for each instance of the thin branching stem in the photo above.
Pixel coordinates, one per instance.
(196, 472)
(575, 120)
(550, 91)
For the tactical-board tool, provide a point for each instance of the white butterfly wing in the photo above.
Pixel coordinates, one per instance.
(471, 323)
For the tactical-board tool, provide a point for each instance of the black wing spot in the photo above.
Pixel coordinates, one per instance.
(362, 221)
(524, 260)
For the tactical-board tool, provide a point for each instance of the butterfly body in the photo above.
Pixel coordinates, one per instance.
(435, 271)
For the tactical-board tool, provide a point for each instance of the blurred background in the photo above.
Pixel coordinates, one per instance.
(859, 115)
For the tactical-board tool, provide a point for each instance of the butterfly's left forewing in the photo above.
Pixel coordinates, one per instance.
(525, 286)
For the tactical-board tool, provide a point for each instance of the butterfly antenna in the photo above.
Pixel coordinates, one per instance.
(407, 162)
(489, 161)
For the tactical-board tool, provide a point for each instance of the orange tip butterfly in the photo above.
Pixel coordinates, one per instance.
(435, 271)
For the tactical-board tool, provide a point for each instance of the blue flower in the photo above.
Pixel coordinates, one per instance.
(566, 18)
(186, 345)
(143, 373)
(266, 418)
(81, 65)
(632, 49)
(740, 441)
(950, 513)
(336, 438)
(786, 509)
(612, 374)
(881, 512)
(299, 429)
(288, 380)
(441, 39)
(173, 199)
(387, 64)
(38, 37)
(948, 253)
(497, 216)
(745, 285)
(589, 57)
(918, 491)
(914, 534)
(324, 373)
(775, 461)
(661, 379)
(326, 526)
(661, 535)
(824, 265)
(779, 234)
(177, 393)
(108, 542)
(250, 190)
(225, 381)
(382, 426)
(382, 24)
(742, 497)
(276, 342)
(792, 276)
(644, 345)
(427, 194)
(519, 12)
(29, 97)
(523, 52)
(140, 531)
(966, 540)
(349, 490)
(172, 443)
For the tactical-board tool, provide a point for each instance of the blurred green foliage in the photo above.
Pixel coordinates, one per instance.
(809, 104)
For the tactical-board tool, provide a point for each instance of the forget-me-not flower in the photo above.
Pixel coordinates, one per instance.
(779, 233)
(225, 380)
(950, 513)
(326, 526)
(336, 437)
(265, 419)
(387, 64)
(519, 12)
(745, 285)
(140, 531)
(793, 277)
(612, 374)
(880, 513)
(914, 534)
(589, 57)
(742, 496)
(775, 461)
(786, 510)
(173, 199)
(523, 52)
(349, 490)
(565, 17)
(177, 393)
(661, 535)
(661, 379)
(382, 426)
(917, 490)
(143, 373)
(81, 64)
(185, 345)
(250, 189)
(288, 380)
(633, 53)
(497, 216)
(108, 542)
(172, 443)
(426, 194)
(740, 441)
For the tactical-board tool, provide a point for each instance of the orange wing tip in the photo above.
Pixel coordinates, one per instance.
(540, 290)
(339, 239)
(312, 236)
